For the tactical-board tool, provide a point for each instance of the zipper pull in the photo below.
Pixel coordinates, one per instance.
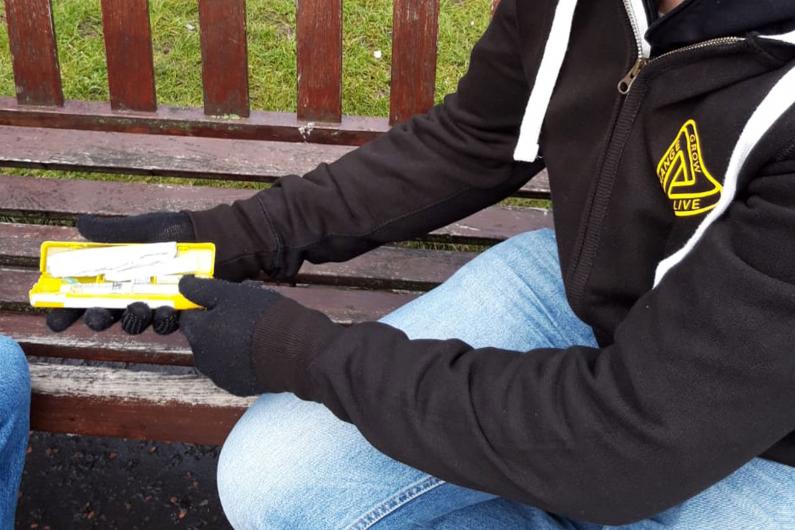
(626, 83)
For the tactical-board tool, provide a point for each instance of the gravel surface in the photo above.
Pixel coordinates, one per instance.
(75, 482)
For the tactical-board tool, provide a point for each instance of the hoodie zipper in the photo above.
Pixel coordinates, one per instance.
(589, 242)
(590, 232)
(628, 80)
(639, 27)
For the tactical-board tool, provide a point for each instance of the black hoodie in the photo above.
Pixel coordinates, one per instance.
(675, 225)
(701, 20)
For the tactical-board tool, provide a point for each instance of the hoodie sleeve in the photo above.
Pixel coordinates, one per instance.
(421, 175)
(697, 383)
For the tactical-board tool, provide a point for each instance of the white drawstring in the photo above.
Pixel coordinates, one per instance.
(775, 104)
(783, 37)
(557, 43)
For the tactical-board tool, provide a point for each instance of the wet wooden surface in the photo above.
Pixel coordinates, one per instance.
(145, 405)
(260, 125)
(176, 156)
(161, 155)
(79, 342)
(222, 24)
(319, 53)
(64, 199)
(128, 48)
(415, 30)
(31, 37)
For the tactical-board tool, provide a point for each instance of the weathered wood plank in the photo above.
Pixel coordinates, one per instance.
(319, 54)
(175, 156)
(100, 401)
(415, 30)
(274, 126)
(66, 198)
(537, 188)
(31, 36)
(186, 388)
(344, 306)
(381, 268)
(224, 57)
(128, 48)
(79, 342)
(133, 420)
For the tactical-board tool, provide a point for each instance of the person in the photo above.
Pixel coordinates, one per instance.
(14, 422)
(632, 369)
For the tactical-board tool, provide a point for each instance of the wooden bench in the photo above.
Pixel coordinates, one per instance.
(111, 384)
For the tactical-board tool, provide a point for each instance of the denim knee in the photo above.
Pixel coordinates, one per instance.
(292, 464)
(14, 379)
(536, 249)
(268, 468)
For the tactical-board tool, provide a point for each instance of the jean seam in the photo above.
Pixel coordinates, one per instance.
(394, 502)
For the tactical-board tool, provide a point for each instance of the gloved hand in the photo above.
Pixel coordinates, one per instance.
(146, 228)
(243, 249)
(251, 339)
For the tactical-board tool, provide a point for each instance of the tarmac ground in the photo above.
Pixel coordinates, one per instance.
(76, 482)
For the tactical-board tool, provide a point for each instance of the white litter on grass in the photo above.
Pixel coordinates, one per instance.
(377, 54)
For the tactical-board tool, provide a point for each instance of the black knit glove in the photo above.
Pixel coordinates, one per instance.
(251, 339)
(246, 245)
(233, 256)
(146, 228)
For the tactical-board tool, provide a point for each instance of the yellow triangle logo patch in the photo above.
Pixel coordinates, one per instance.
(685, 179)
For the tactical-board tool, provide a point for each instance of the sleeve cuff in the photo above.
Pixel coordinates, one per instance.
(286, 339)
(246, 242)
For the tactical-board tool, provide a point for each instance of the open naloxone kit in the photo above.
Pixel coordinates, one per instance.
(83, 275)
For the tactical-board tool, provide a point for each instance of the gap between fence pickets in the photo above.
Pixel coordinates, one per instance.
(127, 385)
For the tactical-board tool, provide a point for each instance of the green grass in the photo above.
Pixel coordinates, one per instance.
(271, 45)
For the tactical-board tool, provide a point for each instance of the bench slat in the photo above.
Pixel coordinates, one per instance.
(31, 37)
(161, 155)
(381, 268)
(101, 401)
(415, 29)
(222, 24)
(79, 342)
(128, 48)
(344, 306)
(319, 50)
(176, 121)
(176, 156)
(64, 199)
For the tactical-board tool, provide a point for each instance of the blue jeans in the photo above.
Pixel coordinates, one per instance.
(14, 414)
(292, 464)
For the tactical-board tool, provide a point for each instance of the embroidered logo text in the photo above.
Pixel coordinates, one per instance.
(684, 177)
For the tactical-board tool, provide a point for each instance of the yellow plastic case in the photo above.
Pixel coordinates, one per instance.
(95, 291)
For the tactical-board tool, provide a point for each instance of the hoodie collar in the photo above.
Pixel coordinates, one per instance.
(699, 20)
